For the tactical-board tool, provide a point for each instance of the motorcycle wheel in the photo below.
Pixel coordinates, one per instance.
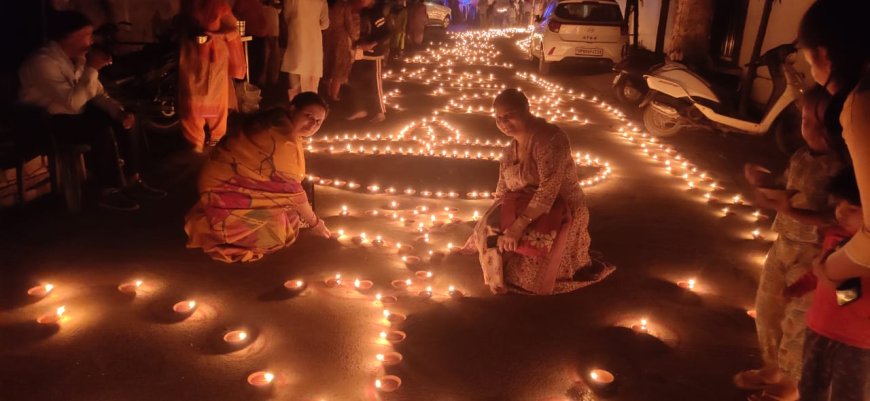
(660, 125)
(628, 92)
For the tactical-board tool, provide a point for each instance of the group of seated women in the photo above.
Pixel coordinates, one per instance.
(533, 239)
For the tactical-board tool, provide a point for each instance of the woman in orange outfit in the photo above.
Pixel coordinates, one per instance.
(211, 54)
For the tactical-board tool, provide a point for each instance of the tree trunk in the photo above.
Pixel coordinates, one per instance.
(690, 40)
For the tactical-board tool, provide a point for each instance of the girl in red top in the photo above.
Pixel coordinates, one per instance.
(837, 345)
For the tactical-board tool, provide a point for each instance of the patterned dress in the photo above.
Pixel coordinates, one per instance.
(250, 195)
(780, 321)
(339, 38)
(548, 172)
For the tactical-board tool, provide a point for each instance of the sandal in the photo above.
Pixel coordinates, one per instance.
(786, 391)
(754, 379)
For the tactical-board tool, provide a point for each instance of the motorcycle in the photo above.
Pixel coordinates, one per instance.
(144, 80)
(679, 99)
(629, 85)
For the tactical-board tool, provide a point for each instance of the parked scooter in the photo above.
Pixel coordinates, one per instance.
(629, 84)
(679, 99)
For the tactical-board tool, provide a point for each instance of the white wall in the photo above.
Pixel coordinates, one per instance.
(785, 16)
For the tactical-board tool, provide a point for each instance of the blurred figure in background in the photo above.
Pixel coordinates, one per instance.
(62, 80)
(211, 54)
(417, 21)
(398, 22)
(273, 55)
(251, 13)
(339, 39)
(303, 60)
(366, 74)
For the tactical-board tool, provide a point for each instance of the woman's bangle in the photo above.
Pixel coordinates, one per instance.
(526, 218)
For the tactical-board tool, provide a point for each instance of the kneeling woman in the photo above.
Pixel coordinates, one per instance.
(534, 238)
(251, 201)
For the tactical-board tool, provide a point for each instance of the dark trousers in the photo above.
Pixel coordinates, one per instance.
(834, 371)
(256, 58)
(114, 153)
(367, 86)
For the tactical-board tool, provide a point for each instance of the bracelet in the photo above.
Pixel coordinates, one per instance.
(526, 218)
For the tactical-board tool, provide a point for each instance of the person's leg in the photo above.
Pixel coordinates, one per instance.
(372, 90)
(295, 86)
(815, 383)
(850, 370)
(257, 59)
(273, 60)
(310, 83)
(193, 129)
(103, 160)
(770, 304)
(359, 85)
(217, 127)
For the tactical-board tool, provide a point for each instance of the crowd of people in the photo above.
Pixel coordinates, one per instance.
(813, 316)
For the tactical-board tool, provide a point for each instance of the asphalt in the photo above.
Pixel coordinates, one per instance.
(322, 344)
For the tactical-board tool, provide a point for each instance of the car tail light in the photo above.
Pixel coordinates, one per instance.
(554, 26)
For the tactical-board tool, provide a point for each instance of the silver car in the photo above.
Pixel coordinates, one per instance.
(439, 14)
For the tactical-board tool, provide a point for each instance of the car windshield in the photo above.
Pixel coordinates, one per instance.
(597, 13)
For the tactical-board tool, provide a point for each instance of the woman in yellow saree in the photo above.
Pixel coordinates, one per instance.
(251, 201)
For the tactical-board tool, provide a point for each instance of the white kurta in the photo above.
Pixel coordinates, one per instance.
(306, 19)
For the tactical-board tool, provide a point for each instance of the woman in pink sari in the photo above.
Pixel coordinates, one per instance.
(534, 238)
(251, 198)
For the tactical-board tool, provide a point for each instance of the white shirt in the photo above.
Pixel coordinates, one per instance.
(52, 81)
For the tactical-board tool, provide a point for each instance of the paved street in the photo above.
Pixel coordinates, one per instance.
(670, 324)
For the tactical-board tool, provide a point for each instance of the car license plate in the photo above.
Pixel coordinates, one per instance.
(585, 51)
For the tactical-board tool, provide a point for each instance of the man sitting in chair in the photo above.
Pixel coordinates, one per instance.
(62, 79)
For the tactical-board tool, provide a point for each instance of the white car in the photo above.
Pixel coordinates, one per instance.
(439, 14)
(580, 30)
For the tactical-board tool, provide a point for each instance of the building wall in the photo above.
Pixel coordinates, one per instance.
(782, 28)
(785, 16)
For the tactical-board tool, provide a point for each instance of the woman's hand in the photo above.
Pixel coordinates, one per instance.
(509, 241)
(320, 229)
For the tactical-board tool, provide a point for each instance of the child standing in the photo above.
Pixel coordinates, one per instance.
(780, 321)
(836, 364)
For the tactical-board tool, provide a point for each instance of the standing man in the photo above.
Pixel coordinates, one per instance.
(62, 80)
(366, 74)
(303, 59)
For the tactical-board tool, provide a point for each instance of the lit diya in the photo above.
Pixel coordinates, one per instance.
(401, 284)
(184, 306)
(385, 299)
(40, 290)
(261, 378)
(394, 336)
(362, 285)
(600, 379)
(130, 287)
(688, 284)
(423, 274)
(394, 317)
(334, 281)
(53, 317)
(453, 292)
(404, 249)
(388, 383)
(236, 337)
(427, 293)
(389, 359)
(295, 285)
(411, 260)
